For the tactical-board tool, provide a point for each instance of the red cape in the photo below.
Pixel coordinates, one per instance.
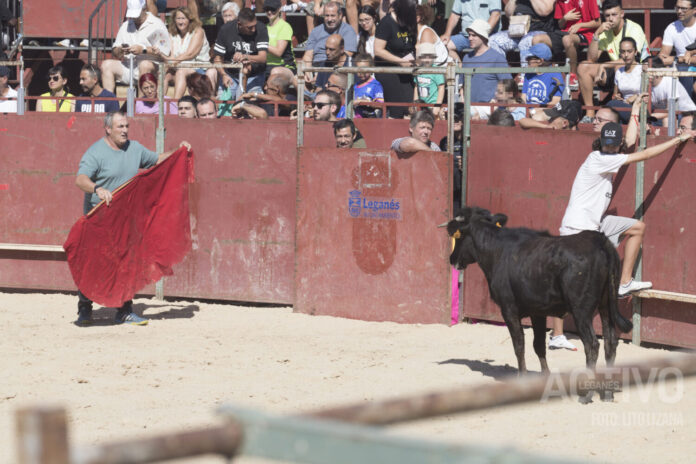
(116, 250)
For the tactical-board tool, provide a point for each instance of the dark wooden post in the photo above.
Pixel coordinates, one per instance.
(42, 435)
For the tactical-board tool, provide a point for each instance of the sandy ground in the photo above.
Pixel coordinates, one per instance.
(125, 381)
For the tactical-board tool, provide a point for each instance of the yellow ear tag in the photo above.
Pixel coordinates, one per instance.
(498, 224)
(457, 234)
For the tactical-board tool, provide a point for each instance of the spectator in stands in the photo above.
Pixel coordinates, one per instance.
(315, 51)
(189, 45)
(679, 35)
(229, 12)
(187, 107)
(542, 29)
(367, 89)
(501, 117)
(8, 96)
(395, 45)
(61, 98)
(565, 115)
(143, 35)
(148, 89)
(244, 41)
(280, 51)
(483, 86)
(508, 92)
(349, 9)
(603, 116)
(468, 11)
(578, 19)
(337, 83)
(428, 88)
(199, 86)
(90, 76)
(345, 133)
(420, 128)
(607, 39)
(206, 109)
(367, 20)
(326, 105)
(335, 56)
(425, 16)
(542, 89)
(627, 79)
(276, 90)
(160, 6)
(662, 91)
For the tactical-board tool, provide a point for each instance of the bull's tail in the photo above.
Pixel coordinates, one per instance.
(614, 278)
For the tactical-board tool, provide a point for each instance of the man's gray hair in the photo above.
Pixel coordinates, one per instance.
(422, 116)
(282, 82)
(230, 5)
(336, 5)
(109, 118)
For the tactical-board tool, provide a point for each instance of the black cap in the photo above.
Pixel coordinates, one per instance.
(611, 134)
(4, 71)
(271, 4)
(568, 109)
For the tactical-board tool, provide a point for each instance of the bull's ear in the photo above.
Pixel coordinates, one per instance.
(455, 229)
(500, 220)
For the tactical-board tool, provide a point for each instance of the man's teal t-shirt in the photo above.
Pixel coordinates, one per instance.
(110, 168)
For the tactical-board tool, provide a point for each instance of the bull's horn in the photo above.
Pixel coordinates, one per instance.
(444, 224)
(460, 218)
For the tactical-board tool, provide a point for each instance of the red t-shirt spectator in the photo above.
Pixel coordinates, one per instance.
(589, 11)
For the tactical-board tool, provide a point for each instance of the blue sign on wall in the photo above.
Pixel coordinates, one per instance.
(360, 206)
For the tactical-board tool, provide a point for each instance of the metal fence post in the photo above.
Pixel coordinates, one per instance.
(466, 129)
(350, 95)
(672, 107)
(451, 81)
(300, 103)
(21, 103)
(130, 103)
(159, 147)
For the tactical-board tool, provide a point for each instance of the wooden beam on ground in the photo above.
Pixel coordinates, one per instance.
(31, 247)
(664, 295)
(513, 391)
(42, 435)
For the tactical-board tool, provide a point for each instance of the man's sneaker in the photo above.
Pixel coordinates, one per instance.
(130, 318)
(84, 317)
(573, 81)
(586, 120)
(633, 286)
(560, 341)
(63, 43)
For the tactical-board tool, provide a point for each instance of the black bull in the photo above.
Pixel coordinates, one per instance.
(533, 274)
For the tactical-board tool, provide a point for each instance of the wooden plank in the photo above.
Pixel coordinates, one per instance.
(664, 295)
(31, 247)
(42, 435)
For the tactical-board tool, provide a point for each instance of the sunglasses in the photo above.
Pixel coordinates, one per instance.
(54, 78)
(319, 105)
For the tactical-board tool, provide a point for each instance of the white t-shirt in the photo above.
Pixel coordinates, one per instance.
(678, 36)
(628, 83)
(151, 33)
(9, 105)
(662, 91)
(592, 190)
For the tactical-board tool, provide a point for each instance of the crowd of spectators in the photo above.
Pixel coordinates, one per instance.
(607, 52)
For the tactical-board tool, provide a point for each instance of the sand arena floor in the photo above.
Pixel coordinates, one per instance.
(126, 381)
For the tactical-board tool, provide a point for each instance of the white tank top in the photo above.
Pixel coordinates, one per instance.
(181, 44)
(440, 48)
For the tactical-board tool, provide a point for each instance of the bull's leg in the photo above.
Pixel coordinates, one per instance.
(610, 343)
(539, 326)
(514, 325)
(583, 322)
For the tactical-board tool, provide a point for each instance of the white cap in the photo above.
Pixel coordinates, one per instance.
(135, 7)
(480, 27)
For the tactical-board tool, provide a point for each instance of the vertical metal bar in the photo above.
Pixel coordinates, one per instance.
(672, 110)
(20, 91)
(450, 78)
(466, 128)
(240, 85)
(130, 102)
(159, 143)
(300, 103)
(566, 90)
(640, 173)
(349, 95)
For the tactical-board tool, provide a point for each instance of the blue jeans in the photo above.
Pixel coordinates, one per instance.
(254, 84)
(460, 41)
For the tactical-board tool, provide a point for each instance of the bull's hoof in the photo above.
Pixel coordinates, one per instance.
(586, 398)
(606, 396)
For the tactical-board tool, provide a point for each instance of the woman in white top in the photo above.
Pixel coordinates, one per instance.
(425, 16)
(626, 79)
(189, 45)
(367, 21)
